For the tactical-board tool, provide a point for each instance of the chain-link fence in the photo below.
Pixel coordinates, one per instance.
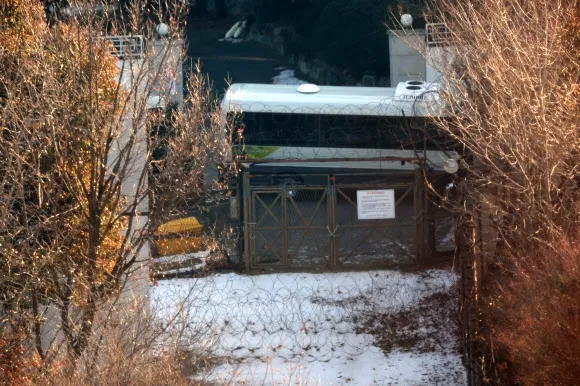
(335, 221)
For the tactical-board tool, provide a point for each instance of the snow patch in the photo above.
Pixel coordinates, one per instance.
(202, 255)
(304, 328)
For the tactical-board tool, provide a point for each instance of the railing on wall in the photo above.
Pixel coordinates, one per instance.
(128, 47)
(437, 35)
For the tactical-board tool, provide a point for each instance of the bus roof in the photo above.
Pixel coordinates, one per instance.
(332, 100)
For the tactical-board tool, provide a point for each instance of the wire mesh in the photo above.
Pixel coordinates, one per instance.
(381, 241)
(307, 224)
(294, 224)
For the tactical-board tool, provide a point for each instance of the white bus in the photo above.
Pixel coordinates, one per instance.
(292, 135)
(310, 127)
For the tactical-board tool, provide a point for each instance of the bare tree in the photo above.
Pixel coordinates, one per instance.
(77, 168)
(511, 93)
(512, 99)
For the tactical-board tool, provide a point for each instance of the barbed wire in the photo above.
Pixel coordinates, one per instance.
(300, 317)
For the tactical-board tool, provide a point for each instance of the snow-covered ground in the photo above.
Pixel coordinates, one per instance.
(185, 257)
(355, 328)
(287, 76)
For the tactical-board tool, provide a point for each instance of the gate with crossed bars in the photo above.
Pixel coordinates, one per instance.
(310, 221)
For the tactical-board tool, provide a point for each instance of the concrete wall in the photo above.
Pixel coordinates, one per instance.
(406, 61)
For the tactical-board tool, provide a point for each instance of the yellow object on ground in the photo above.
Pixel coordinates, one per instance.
(186, 224)
(169, 247)
(178, 236)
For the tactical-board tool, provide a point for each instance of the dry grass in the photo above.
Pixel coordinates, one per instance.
(121, 371)
(15, 363)
(425, 328)
(19, 366)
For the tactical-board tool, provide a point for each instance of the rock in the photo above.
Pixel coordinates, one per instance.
(315, 73)
(331, 78)
(346, 79)
(368, 81)
(384, 81)
(303, 66)
(280, 32)
(279, 36)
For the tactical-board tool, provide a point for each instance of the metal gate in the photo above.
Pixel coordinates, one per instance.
(312, 221)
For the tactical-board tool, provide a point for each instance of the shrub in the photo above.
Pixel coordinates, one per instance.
(14, 362)
(534, 315)
(512, 101)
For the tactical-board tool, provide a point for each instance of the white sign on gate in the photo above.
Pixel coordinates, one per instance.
(375, 204)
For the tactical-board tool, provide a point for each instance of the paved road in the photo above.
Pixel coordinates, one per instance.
(243, 62)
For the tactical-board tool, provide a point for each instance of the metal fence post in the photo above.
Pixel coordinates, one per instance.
(333, 258)
(246, 219)
(419, 206)
(284, 224)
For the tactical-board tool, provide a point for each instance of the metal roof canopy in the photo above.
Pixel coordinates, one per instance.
(331, 100)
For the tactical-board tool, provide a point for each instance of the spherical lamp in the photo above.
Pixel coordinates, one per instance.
(162, 30)
(407, 20)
